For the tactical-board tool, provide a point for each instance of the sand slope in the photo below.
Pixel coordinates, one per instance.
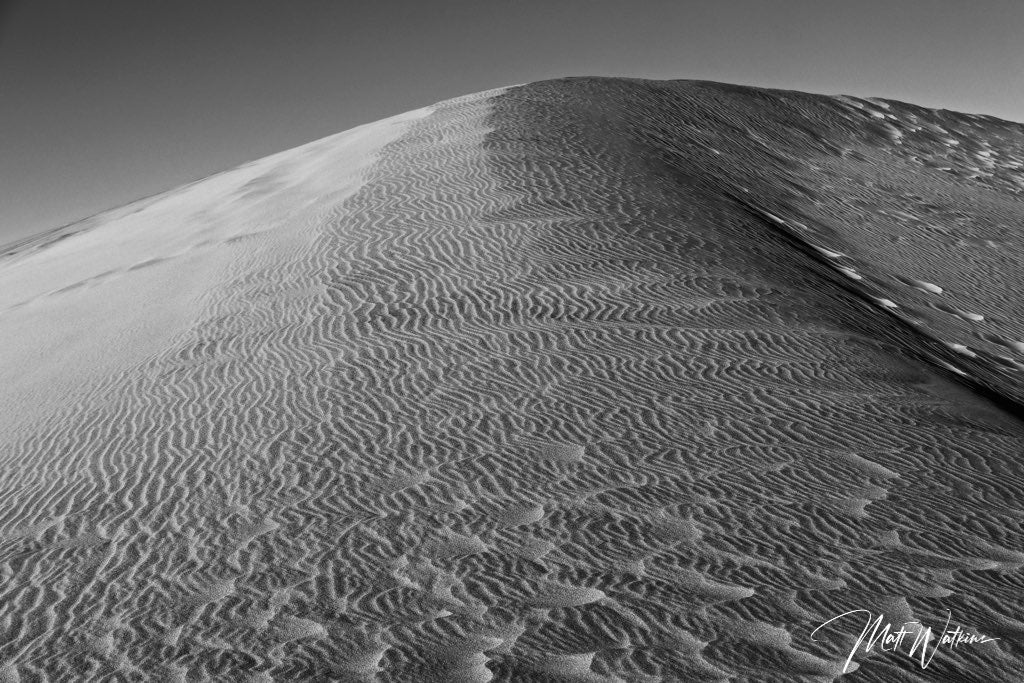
(591, 379)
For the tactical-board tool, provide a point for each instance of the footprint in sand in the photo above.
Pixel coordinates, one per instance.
(1017, 346)
(518, 515)
(365, 662)
(961, 349)
(564, 595)
(556, 450)
(921, 285)
(566, 666)
(850, 273)
(885, 303)
(535, 549)
(828, 253)
(451, 544)
(963, 315)
(214, 591)
(289, 628)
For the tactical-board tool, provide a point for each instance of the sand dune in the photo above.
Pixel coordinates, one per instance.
(589, 379)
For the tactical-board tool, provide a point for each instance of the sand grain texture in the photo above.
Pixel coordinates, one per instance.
(566, 381)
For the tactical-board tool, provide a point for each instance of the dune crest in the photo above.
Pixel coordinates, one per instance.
(588, 379)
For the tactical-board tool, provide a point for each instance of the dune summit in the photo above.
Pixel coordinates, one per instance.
(587, 379)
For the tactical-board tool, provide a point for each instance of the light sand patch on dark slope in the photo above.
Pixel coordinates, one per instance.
(562, 392)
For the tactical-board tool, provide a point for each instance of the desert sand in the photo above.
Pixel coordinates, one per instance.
(588, 379)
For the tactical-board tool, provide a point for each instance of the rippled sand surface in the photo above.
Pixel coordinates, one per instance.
(590, 379)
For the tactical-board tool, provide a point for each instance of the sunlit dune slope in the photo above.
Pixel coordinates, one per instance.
(588, 379)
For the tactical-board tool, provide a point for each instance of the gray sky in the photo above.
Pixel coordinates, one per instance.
(105, 102)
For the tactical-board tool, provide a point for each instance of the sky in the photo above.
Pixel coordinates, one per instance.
(102, 103)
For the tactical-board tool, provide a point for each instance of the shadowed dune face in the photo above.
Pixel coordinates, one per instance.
(588, 379)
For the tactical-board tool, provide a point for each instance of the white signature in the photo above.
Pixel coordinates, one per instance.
(890, 639)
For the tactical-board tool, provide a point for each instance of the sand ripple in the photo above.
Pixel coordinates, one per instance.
(576, 386)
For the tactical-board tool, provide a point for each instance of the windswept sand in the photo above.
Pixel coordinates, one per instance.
(100, 298)
(590, 379)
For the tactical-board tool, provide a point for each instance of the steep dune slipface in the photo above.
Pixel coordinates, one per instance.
(589, 379)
